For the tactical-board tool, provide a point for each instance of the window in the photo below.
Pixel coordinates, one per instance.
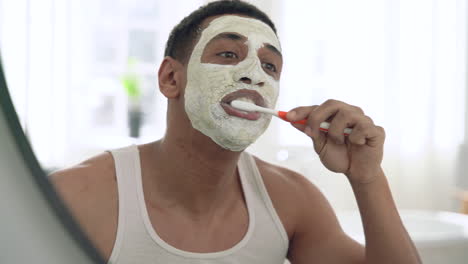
(64, 64)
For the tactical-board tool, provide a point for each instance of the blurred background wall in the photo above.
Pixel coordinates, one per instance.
(72, 66)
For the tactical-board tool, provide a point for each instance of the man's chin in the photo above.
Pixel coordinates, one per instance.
(235, 140)
(230, 132)
(232, 145)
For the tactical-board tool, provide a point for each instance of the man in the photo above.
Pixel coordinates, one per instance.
(194, 196)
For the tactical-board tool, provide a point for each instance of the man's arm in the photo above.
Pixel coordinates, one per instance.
(318, 237)
(358, 155)
(387, 240)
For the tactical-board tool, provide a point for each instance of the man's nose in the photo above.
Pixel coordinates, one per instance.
(250, 72)
(249, 81)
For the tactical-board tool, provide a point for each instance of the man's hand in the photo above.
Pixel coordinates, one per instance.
(358, 155)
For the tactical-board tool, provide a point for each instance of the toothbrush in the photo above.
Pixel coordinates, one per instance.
(246, 106)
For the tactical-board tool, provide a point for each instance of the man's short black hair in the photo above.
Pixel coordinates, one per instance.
(182, 38)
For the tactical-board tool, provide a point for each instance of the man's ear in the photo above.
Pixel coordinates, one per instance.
(170, 77)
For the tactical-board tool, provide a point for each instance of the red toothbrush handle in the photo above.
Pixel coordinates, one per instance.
(323, 126)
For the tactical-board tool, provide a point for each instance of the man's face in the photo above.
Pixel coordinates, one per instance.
(235, 58)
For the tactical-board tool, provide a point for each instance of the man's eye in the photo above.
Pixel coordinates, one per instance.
(269, 66)
(228, 55)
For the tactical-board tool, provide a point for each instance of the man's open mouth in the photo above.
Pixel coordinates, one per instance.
(243, 95)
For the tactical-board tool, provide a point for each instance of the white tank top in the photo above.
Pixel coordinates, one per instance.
(137, 242)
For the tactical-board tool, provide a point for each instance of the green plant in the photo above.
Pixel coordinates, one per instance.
(130, 81)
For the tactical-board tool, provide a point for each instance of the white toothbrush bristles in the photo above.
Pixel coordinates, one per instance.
(246, 106)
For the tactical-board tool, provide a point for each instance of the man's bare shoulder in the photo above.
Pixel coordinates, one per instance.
(91, 182)
(315, 226)
(89, 190)
(306, 196)
(96, 169)
(291, 181)
(290, 192)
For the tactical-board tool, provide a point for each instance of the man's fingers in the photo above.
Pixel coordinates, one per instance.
(340, 116)
(318, 140)
(299, 127)
(304, 128)
(367, 133)
(342, 120)
(300, 113)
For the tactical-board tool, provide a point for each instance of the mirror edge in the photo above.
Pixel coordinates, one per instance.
(40, 178)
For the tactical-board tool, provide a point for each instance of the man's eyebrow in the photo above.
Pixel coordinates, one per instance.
(275, 50)
(236, 37)
(230, 36)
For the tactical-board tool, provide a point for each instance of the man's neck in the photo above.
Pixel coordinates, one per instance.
(194, 174)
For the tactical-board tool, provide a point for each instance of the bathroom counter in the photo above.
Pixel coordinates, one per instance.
(440, 237)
